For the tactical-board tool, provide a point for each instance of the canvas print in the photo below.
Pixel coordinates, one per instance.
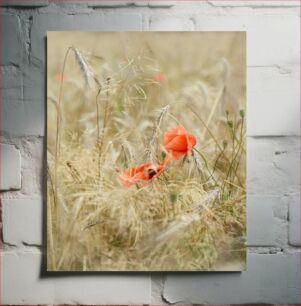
(146, 151)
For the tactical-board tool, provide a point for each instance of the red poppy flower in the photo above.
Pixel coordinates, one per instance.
(144, 172)
(178, 142)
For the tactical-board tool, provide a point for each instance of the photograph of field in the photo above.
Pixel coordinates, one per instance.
(146, 151)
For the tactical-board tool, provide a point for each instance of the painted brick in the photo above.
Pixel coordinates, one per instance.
(22, 283)
(273, 165)
(74, 7)
(118, 3)
(157, 288)
(24, 3)
(34, 102)
(268, 34)
(287, 158)
(13, 47)
(33, 166)
(10, 170)
(11, 83)
(274, 99)
(12, 99)
(23, 101)
(23, 105)
(170, 23)
(268, 215)
(294, 220)
(268, 279)
(93, 22)
(22, 221)
(250, 3)
(141, 3)
(160, 3)
(260, 219)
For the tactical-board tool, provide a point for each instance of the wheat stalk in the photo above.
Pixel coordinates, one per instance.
(152, 142)
(85, 68)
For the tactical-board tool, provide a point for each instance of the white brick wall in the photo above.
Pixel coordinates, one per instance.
(23, 284)
(269, 279)
(273, 151)
(170, 23)
(10, 171)
(294, 220)
(250, 3)
(13, 47)
(22, 221)
(275, 91)
(24, 3)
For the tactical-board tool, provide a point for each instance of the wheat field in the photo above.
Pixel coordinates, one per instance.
(111, 99)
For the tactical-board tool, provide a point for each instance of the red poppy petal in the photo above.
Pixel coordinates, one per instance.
(181, 130)
(169, 136)
(133, 175)
(125, 180)
(139, 168)
(178, 143)
(177, 154)
(191, 141)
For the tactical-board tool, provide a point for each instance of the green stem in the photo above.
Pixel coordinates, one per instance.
(206, 165)
(232, 162)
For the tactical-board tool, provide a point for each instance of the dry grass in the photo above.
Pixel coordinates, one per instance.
(111, 96)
